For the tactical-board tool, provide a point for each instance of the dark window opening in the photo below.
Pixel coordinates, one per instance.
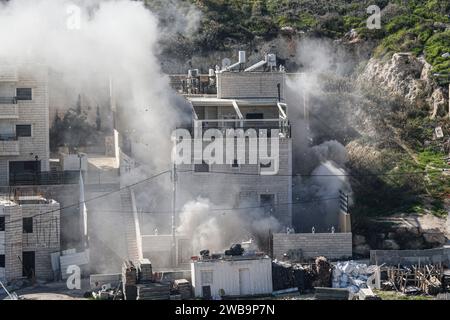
(28, 264)
(2, 260)
(2, 223)
(23, 130)
(254, 116)
(27, 225)
(266, 165)
(267, 202)
(204, 167)
(24, 94)
(235, 163)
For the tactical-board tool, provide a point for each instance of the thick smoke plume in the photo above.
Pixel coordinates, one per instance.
(319, 162)
(214, 229)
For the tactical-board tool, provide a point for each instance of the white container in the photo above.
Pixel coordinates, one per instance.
(238, 276)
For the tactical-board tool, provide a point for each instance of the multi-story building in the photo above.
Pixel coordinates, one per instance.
(29, 234)
(248, 100)
(24, 122)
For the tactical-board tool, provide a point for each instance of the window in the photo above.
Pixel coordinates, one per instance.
(267, 202)
(254, 116)
(235, 163)
(24, 94)
(27, 225)
(2, 223)
(204, 167)
(207, 277)
(2, 260)
(23, 130)
(266, 165)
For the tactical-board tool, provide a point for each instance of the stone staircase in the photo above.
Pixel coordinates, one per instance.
(130, 225)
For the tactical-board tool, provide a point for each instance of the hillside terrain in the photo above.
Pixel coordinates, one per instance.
(378, 94)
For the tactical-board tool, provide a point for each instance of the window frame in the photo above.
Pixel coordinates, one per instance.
(2, 223)
(24, 97)
(26, 230)
(24, 136)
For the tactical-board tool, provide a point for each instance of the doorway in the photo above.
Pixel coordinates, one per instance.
(28, 264)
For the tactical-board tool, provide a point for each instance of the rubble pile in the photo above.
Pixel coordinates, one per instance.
(351, 275)
(183, 287)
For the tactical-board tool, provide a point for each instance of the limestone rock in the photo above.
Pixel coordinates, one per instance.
(390, 245)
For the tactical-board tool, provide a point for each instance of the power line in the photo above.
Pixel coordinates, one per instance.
(324, 175)
(231, 209)
(95, 198)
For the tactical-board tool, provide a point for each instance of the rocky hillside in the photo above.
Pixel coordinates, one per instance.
(378, 95)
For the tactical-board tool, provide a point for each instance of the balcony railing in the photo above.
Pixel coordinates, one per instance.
(224, 124)
(44, 178)
(8, 100)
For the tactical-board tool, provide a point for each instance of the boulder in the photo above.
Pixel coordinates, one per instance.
(435, 238)
(390, 245)
(362, 249)
(358, 240)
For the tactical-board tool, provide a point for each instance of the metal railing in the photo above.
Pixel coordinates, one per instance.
(44, 178)
(8, 137)
(245, 124)
(8, 100)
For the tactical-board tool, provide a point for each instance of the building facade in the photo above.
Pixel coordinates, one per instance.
(254, 103)
(29, 233)
(24, 123)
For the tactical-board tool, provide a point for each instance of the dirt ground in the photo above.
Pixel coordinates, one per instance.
(50, 291)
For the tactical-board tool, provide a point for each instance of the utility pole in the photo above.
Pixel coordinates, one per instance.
(174, 209)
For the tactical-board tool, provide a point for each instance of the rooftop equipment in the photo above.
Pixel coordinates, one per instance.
(240, 64)
(270, 61)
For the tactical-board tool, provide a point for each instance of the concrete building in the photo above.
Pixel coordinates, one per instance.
(232, 276)
(24, 122)
(29, 233)
(245, 100)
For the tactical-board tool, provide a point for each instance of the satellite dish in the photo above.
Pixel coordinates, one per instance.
(226, 63)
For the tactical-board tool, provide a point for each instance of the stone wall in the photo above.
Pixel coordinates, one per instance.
(410, 257)
(330, 245)
(232, 85)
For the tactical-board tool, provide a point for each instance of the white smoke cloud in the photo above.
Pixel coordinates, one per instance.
(216, 230)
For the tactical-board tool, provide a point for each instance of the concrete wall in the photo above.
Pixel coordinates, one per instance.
(241, 187)
(158, 250)
(13, 242)
(330, 245)
(34, 113)
(45, 238)
(250, 84)
(410, 257)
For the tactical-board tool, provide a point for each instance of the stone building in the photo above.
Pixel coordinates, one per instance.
(29, 233)
(24, 122)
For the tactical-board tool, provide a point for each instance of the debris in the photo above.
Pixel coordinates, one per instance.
(184, 288)
(367, 294)
(416, 279)
(323, 273)
(353, 276)
(331, 294)
(153, 291)
(98, 280)
(145, 273)
(235, 250)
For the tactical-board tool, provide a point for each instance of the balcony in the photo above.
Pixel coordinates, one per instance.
(200, 126)
(9, 146)
(8, 108)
